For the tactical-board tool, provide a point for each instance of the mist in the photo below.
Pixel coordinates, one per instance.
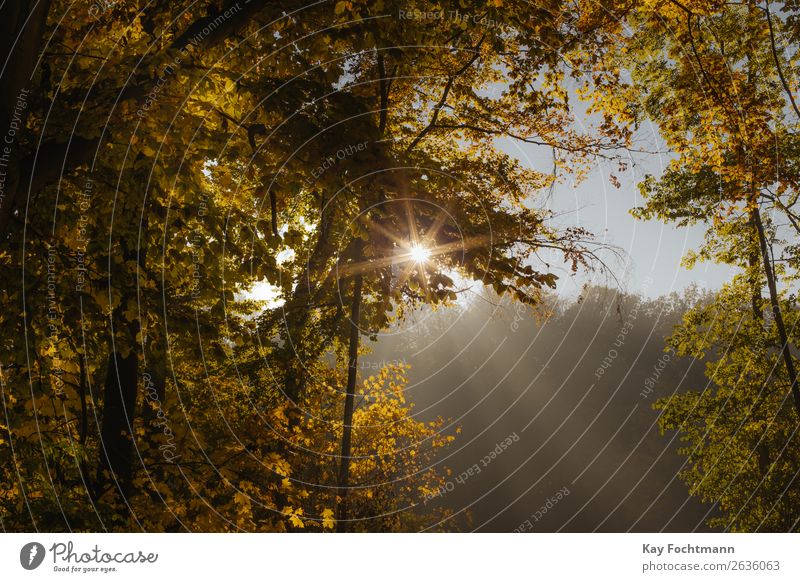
(552, 410)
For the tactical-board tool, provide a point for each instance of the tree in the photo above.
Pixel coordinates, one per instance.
(739, 430)
(163, 169)
(713, 77)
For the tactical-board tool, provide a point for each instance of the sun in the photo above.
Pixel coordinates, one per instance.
(419, 253)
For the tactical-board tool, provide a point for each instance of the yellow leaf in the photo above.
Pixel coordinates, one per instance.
(327, 519)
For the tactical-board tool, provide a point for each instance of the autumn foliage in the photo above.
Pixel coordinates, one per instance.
(165, 159)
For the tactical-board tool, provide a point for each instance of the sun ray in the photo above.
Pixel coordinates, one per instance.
(430, 236)
(405, 257)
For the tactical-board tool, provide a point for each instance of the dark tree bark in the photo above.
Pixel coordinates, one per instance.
(119, 411)
(776, 309)
(22, 25)
(754, 261)
(347, 429)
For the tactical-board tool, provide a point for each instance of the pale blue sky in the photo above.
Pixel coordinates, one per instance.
(652, 250)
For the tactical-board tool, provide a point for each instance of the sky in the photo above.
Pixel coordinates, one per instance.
(651, 250)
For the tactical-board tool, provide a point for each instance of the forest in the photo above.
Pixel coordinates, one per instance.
(279, 266)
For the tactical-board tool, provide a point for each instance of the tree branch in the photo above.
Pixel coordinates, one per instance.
(448, 86)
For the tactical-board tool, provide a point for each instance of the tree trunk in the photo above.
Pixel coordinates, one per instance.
(776, 309)
(347, 429)
(754, 262)
(22, 25)
(119, 411)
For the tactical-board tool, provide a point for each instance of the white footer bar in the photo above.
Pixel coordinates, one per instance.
(370, 557)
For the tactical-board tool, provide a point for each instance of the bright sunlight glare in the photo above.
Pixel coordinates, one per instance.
(419, 253)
